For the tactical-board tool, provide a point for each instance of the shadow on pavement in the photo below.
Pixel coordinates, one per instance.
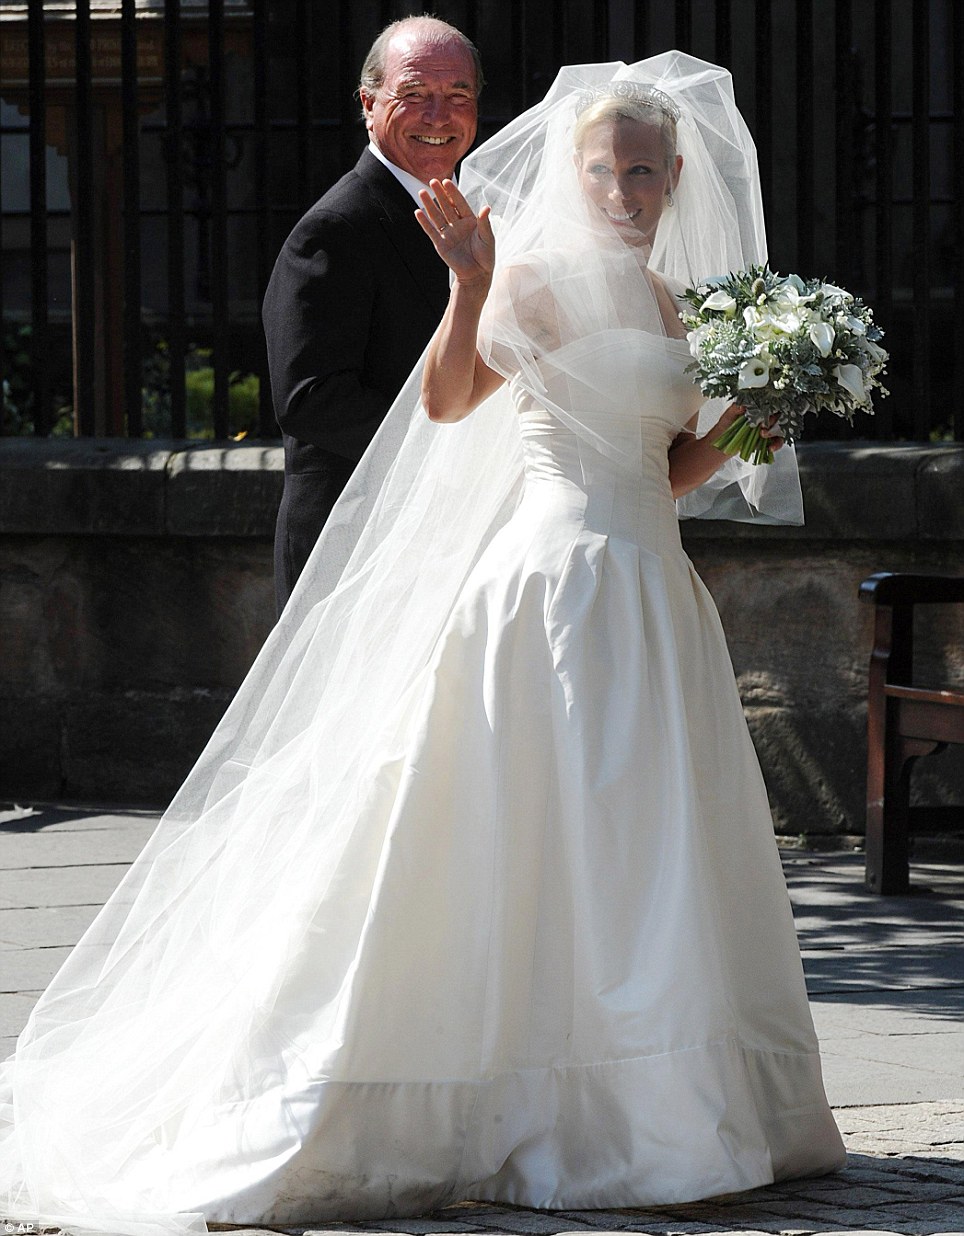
(880, 949)
(17, 819)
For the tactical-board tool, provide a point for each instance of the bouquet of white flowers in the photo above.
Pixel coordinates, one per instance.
(781, 346)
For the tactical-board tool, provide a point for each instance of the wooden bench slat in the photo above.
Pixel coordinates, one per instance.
(950, 697)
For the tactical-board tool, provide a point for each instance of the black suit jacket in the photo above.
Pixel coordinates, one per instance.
(354, 297)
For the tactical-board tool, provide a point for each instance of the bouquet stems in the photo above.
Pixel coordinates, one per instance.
(743, 438)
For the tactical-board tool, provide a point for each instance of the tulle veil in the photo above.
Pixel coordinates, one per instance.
(156, 1014)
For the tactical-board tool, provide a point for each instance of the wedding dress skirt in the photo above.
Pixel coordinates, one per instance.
(554, 962)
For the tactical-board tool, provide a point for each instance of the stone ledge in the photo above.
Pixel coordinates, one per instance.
(867, 491)
(87, 485)
(884, 491)
(224, 490)
(861, 491)
(125, 487)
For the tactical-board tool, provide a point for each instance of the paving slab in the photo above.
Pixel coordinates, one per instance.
(909, 1129)
(30, 967)
(886, 979)
(30, 887)
(45, 926)
(75, 847)
(874, 1053)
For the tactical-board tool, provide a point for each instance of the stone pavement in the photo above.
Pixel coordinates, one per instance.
(885, 975)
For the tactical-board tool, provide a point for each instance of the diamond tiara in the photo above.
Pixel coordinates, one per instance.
(631, 92)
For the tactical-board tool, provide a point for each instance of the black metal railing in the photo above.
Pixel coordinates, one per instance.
(192, 133)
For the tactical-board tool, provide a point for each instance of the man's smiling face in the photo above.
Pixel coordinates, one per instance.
(423, 116)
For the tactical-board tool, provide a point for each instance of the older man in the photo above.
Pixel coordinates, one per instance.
(357, 289)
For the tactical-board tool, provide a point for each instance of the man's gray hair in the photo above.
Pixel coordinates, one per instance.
(435, 31)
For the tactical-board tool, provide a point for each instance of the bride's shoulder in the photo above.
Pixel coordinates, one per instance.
(524, 277)
(526, 267)
(669, 298)
(675, 287)
(522, 294)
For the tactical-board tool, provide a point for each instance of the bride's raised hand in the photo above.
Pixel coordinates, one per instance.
(463, 239)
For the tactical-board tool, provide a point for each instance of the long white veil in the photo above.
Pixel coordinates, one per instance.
(156, 1015)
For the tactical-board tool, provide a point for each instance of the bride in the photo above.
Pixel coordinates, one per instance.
(474, 892)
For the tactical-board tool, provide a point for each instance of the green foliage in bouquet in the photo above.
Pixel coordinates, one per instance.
(781, 347)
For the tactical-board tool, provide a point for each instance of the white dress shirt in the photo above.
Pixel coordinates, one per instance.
(409, 182)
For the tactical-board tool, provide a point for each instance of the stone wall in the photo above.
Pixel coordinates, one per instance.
(135, 590)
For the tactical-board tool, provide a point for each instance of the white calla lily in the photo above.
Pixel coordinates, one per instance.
(822, 337)
(720, 302)
(852, 380)
(856, 325)
(831, 292)
(877, 354)
(755, 373)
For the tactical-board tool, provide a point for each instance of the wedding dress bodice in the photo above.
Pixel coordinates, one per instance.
(627, 396)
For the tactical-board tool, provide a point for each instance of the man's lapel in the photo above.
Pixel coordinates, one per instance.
(397, 218)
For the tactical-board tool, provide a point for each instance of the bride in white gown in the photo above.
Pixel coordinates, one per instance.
(474, 893)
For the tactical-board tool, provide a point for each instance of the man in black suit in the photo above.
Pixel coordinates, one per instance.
(357, 289)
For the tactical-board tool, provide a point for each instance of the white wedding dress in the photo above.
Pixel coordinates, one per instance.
(554, 964)
(474, 892)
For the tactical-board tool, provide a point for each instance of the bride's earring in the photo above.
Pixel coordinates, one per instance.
(669, 197)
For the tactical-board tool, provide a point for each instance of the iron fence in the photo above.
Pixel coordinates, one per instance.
(155, 153)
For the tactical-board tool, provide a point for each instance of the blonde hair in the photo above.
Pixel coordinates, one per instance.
(624, 101)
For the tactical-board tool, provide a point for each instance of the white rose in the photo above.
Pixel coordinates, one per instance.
(788, 323)
(696, 337)
(758, 320)
(774, 319)
(793, 295)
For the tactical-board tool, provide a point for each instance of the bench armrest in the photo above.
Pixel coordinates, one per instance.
(886, 588)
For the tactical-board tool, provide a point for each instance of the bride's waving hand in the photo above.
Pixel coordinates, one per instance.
(456, 379)
(463, 240)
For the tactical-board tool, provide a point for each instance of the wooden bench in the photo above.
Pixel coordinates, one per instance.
(904, 721)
